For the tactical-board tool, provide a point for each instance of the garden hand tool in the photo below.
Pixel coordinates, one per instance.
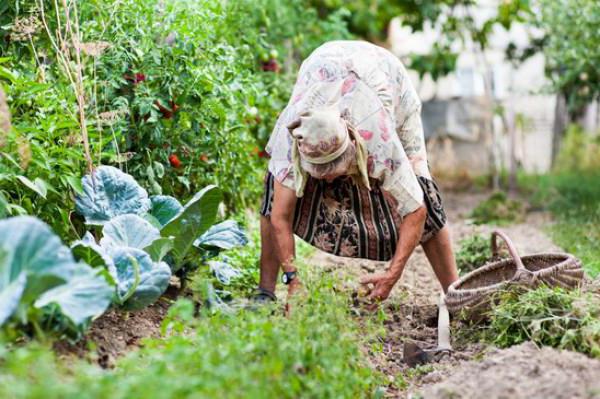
(414, 355)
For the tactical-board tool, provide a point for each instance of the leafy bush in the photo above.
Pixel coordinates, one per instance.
(547, 316)
(571, 49)
(41, 280)
(498, 209)
(473, 253)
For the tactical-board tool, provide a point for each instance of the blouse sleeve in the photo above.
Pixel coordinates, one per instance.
(412, 137)
(407, 117)
(401, 182)
(279, 148)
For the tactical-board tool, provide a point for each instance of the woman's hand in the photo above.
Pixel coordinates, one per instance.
(294, 287)
(410, 232)
(382, 285)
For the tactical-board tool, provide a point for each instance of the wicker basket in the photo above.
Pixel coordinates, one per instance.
(473, 291)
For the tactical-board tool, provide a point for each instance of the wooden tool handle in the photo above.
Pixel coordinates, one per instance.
(443, 325)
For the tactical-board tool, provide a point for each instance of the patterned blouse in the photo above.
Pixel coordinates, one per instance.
(377, 98)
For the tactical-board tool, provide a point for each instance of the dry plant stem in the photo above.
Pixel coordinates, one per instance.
(71, 39)
(37, 59)
(76, 40)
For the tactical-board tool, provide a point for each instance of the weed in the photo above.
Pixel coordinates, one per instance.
(474, 252)
(547, 316)
(498, 209)
(419, 370)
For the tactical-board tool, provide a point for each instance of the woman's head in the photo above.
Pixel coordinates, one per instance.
(325, 147)
(345, 164)
(323, 143)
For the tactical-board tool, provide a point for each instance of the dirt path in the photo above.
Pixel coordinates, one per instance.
(412, 313)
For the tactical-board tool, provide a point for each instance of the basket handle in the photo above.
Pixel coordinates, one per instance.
(511, 248)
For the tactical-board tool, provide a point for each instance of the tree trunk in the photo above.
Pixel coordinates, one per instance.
(561, 120)
(509, 123)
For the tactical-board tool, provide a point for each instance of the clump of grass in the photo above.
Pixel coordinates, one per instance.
(474, 252)
(498, 209)
(574, 200)
(547, 316)
(572, 193)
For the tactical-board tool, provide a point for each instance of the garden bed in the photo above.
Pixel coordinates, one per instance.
(411, 315)
(115, 333)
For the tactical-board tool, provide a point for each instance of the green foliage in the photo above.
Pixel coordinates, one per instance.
(42, 147)
(572, 193)
(579, 151)
(453, 19)
(196, 217)
(439, 63)
(108, 193)
(571, 49)
(134, 242)
(315, 353)
(574, 200)
(177, 96)
(41, 283)
(473, 253)
(498, 209)
(547, 316)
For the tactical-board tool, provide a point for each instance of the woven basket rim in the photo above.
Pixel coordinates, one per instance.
(454, 288)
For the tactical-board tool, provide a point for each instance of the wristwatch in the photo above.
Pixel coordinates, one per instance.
(288, 277)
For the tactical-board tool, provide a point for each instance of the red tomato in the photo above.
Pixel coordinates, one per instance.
(139, 78)
(270, 66)
(174, 161)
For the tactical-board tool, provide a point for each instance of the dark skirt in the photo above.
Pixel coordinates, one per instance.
(345, 219)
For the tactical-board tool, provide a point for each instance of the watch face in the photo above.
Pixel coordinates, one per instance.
(287, 277)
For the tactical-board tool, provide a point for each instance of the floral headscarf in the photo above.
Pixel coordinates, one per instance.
(321, 135)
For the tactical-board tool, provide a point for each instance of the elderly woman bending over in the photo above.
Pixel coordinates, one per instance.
(348, 171)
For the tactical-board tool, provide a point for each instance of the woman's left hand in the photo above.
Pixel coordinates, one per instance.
(382, 285)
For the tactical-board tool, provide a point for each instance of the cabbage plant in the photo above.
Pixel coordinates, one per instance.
(38, 274)
(140, 280)
(145, 238)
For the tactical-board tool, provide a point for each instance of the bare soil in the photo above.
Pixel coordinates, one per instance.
(523, 371)
(117, 332)
(473, 370)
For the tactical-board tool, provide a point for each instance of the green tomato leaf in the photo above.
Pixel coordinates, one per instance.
(75, 183)
(38, 186)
